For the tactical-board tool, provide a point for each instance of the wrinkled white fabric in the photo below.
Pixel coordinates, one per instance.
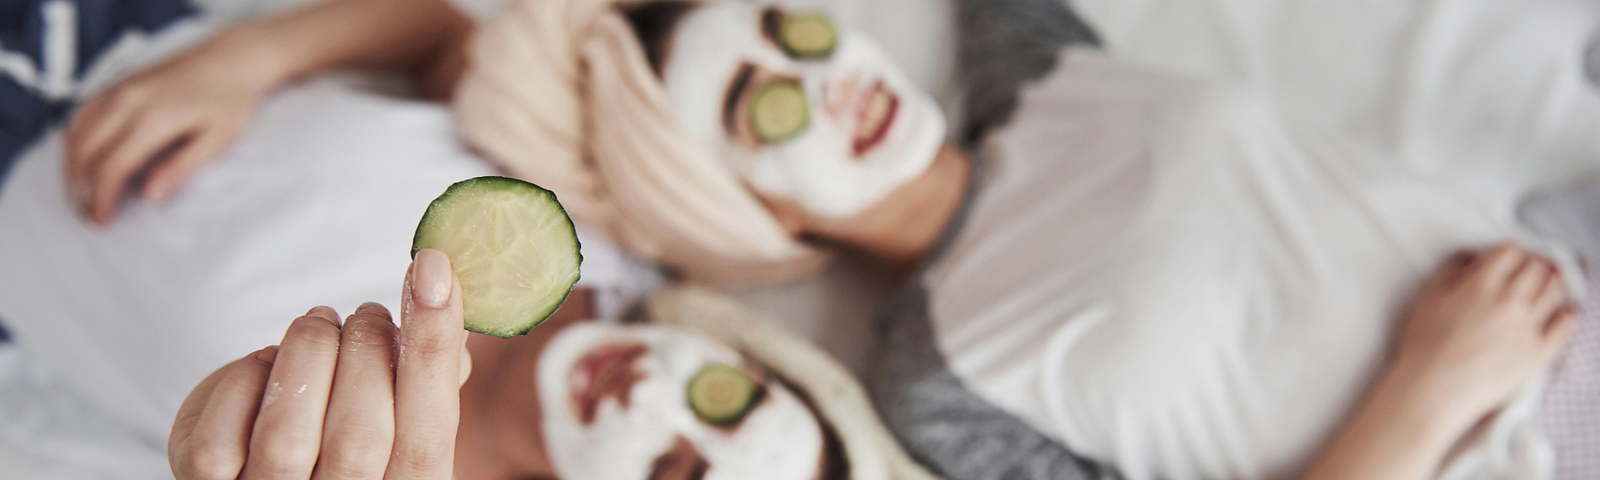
(1164, 274)
(1457, 88)
(48, 433)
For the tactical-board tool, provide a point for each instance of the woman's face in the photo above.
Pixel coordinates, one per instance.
(615, 407)
(868, 128)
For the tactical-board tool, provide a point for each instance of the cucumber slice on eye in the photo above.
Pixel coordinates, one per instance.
(511, 245)
(779, 111)
(808, 35)
(721, 394)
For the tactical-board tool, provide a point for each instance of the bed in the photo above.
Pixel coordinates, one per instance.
(1426, 79)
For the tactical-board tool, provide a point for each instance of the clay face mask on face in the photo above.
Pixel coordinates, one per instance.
(614, 401)
(866, 128)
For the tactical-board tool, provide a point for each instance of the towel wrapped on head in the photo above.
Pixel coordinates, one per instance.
(560, 93)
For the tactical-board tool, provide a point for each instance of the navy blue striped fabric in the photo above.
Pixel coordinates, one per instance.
(25, 113)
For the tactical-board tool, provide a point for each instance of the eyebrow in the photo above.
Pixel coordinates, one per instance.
(771, 22)
(741, 82)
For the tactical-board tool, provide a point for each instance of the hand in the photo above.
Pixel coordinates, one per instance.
(165, 122)
(361, 400)
(1483, 326)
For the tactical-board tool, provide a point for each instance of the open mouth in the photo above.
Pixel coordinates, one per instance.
(875, 113)
(604, 372)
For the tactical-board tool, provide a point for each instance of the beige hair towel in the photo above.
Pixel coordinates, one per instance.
(560, 93)
(840, 400)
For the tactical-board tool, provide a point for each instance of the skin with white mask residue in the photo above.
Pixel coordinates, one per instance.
(615, 397)
(868, 128)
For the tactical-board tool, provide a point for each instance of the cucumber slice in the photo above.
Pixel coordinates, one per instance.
(511, 244)
(808, 35)
(721, 394)
(779, 111)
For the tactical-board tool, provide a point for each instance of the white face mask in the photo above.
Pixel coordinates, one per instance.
(850, 156)
(778, 439)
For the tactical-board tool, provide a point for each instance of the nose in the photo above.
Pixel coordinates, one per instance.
(837, 95)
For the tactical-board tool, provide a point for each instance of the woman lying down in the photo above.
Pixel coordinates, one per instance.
(1140, 274)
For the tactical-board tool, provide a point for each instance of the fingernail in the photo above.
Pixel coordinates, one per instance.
(268, 354)
(430, 278)
(371, 308)
(325, 313)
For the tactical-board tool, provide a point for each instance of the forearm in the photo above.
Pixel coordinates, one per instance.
(1400, 431)
(423, 37)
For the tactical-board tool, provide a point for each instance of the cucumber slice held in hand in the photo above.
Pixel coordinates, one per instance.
(721, 394)
(779, 111)
(808, 35)
(511, 245)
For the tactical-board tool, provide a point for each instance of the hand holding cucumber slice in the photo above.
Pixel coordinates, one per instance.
(722, 394)
(512, 246)
(808, 35)
(779, 111)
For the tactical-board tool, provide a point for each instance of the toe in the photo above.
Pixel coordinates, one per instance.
(1495, 267)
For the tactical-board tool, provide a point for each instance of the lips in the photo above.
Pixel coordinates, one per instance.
(604, 372)
(875, 113)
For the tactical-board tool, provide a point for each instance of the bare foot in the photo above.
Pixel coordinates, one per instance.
(1484, 325)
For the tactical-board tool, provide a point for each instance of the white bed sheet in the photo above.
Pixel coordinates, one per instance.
(1438, 84)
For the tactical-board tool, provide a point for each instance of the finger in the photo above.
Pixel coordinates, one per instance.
(92, 136)
(97, 124)
(325, 313)
(288, 430)
(175, 172)
(1551, 294)
(93, 123)
(81, 174)
(359, 430)
(1461, 263)
(1453, 269)
(183, 425)
(218, 444)
(1559, 332)
(193, 404)
(466, 363)
(1527, 279)
(1497, 264)
(427, 404)
(124, 159)
(72, 141)
(85, 118)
